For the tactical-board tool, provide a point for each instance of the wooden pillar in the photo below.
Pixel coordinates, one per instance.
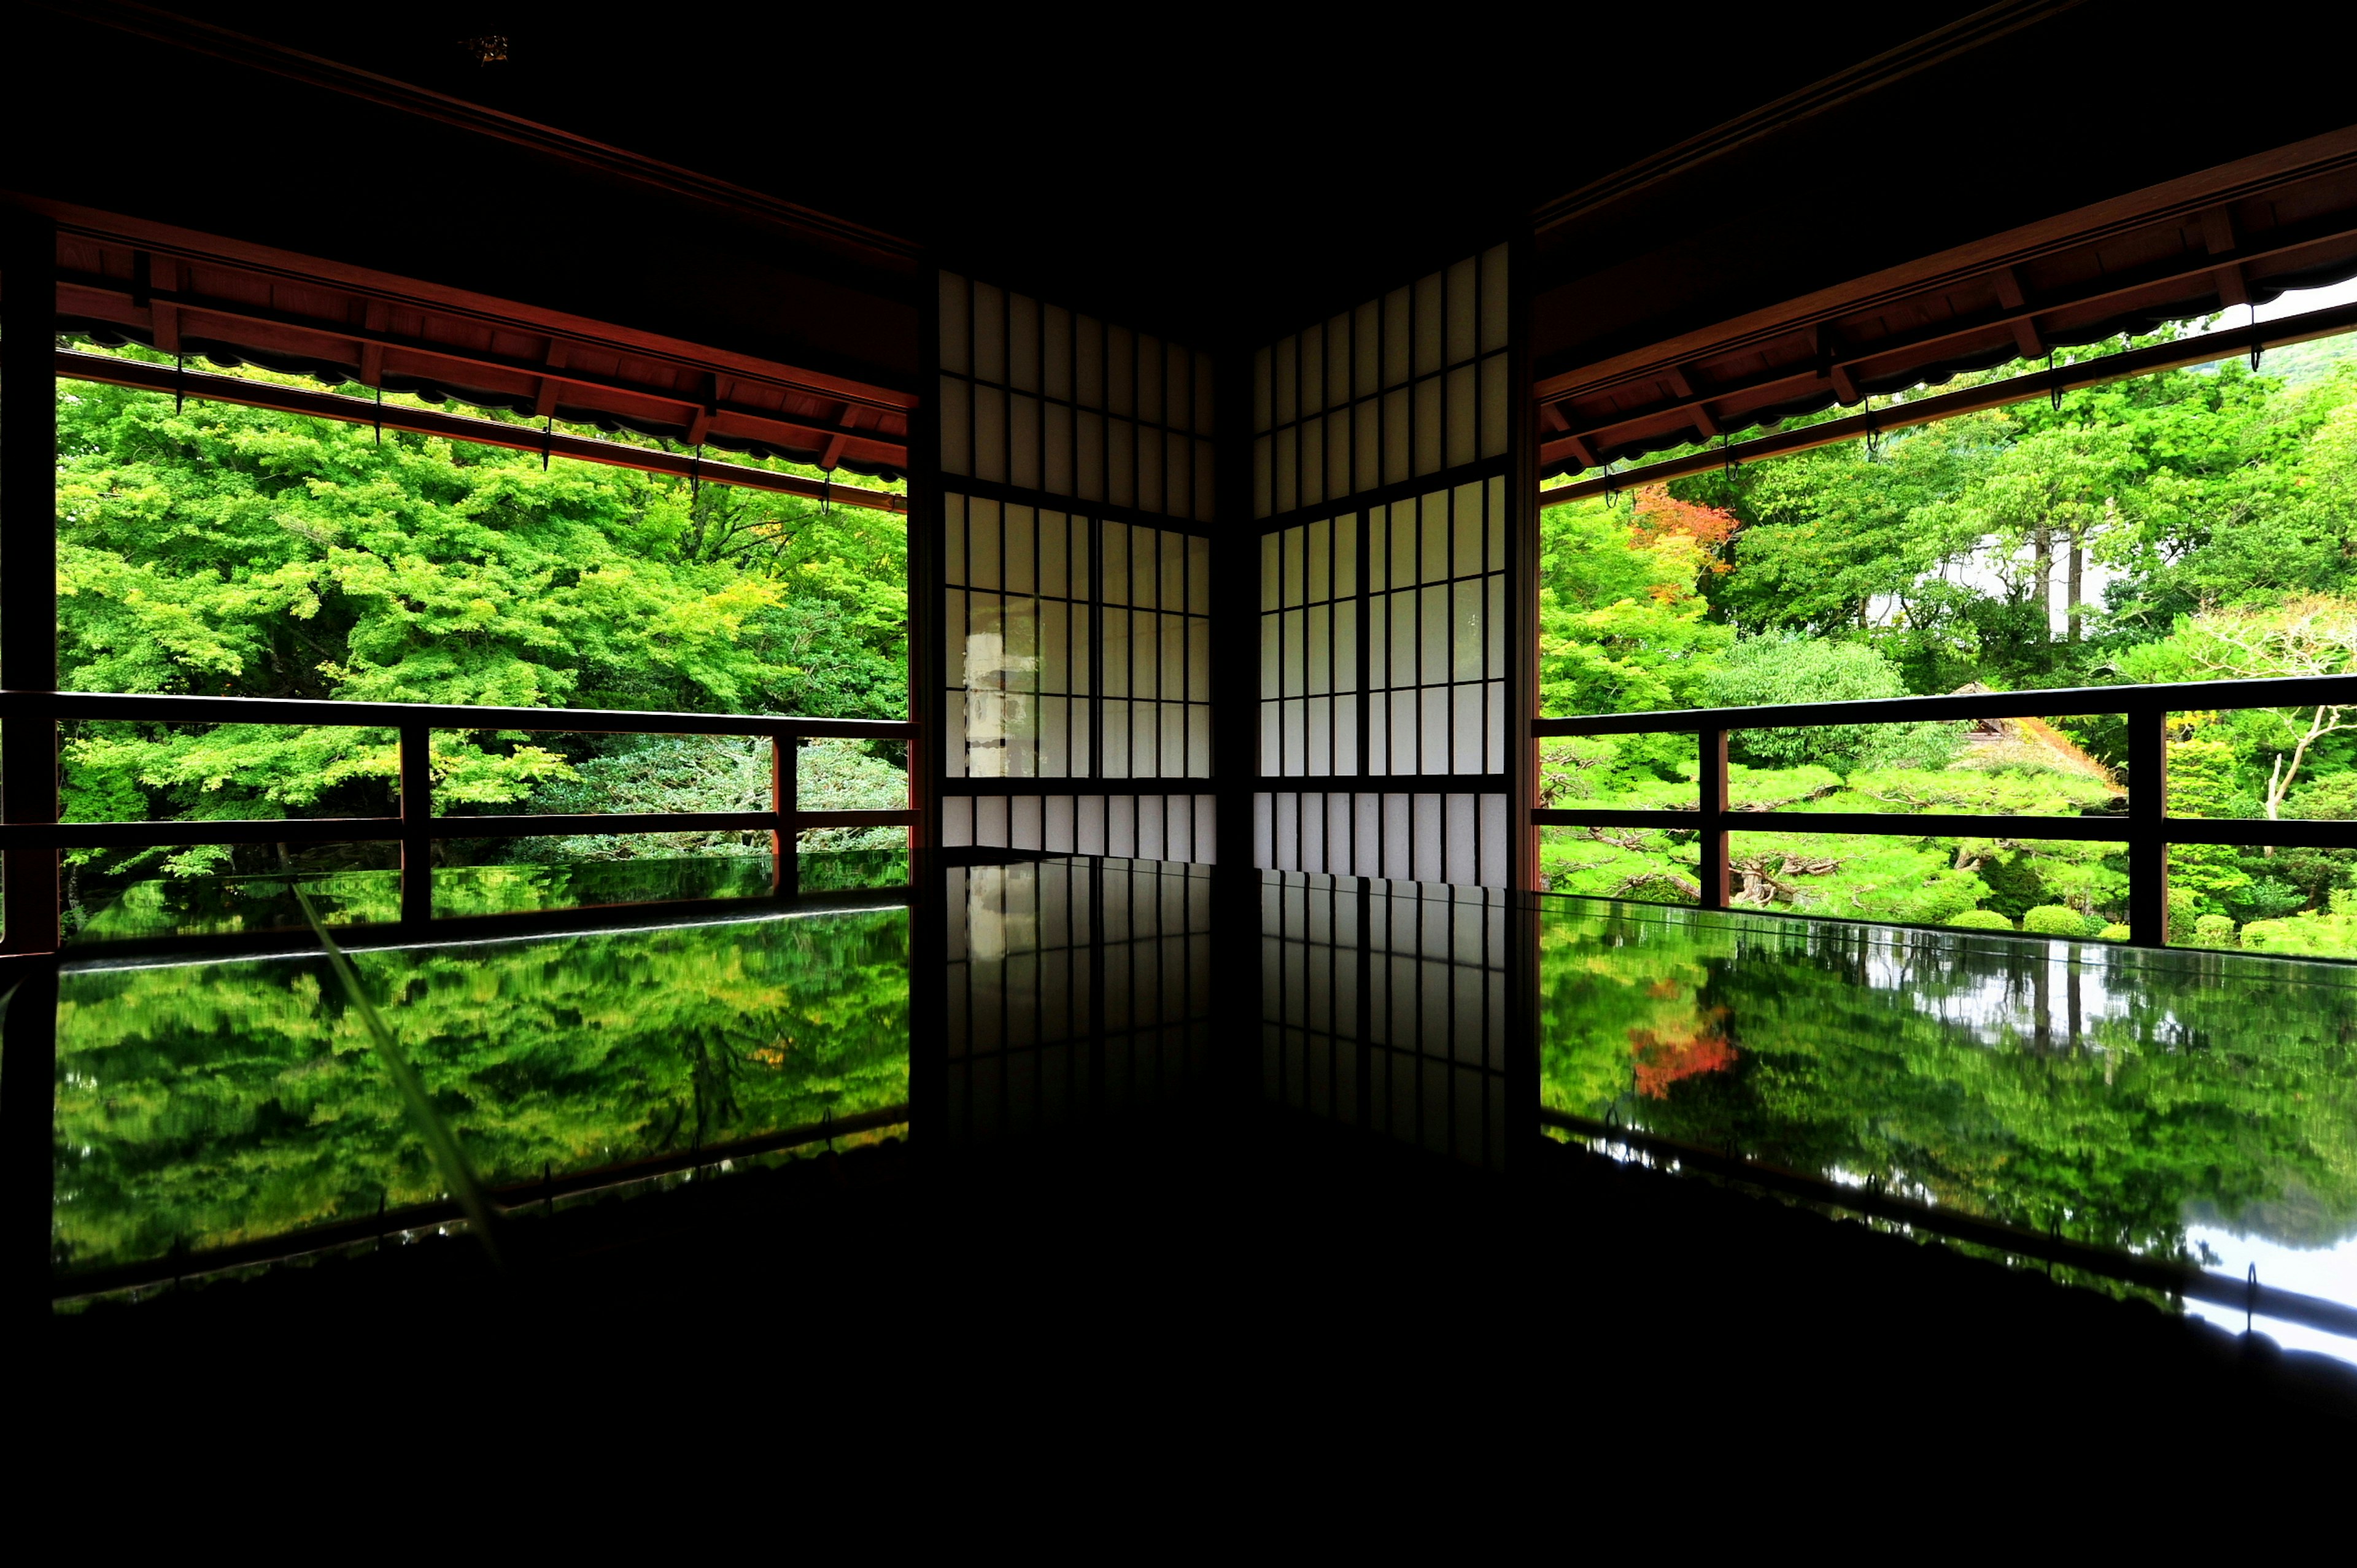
(28, 769)
(1521, 636)
(28, 566)
(1236, 881)
(929, 1082)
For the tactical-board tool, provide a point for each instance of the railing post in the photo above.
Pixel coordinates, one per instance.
(785, 801)
(2147, 826)
(417, 826)
(1710, 872)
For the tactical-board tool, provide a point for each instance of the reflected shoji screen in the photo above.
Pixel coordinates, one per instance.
(1073, 986)
(1385, 1007)
(1381, 481)
(1076, 459)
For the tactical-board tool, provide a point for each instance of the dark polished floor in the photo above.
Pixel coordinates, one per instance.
(1108, 1149)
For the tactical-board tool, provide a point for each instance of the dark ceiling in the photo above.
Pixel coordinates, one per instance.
(1222, 181)
(1222, 156)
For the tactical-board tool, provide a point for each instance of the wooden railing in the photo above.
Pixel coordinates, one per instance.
(31, 833)
(2145, 826)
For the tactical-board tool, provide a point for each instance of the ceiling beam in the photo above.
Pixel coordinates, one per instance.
(834, 452)
(1841, 369)
(2218, 239)
(71, 365)
(544, 397)
(372, 341)
(2015, 300)
(244, 310)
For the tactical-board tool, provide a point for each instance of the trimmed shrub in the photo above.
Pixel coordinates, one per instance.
(2213, 931)
(1980, 921)
(2113, 933)
(2060, 920)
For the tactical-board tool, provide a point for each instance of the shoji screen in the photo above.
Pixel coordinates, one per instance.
(1076, 473)
(1383, 483)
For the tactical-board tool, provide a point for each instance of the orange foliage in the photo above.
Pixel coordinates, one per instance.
(1659, 515)
(1663, 1058)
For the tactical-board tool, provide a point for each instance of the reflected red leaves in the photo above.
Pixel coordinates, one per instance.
(1663, 1057)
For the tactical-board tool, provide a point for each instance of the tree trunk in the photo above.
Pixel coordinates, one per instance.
(2043, 542)
(2078, 580)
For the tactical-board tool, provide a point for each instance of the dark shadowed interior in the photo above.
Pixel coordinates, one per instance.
(1328, 714)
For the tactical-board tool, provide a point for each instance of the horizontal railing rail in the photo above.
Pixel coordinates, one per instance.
(435, 715)
(2144, 825)
(32, 822)
(2170, 697)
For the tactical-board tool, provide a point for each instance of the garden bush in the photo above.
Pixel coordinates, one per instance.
(2062, 920)
(2213, 931)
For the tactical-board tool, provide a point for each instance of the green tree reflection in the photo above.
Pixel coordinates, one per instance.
(202, 1106)
(2107, 1094)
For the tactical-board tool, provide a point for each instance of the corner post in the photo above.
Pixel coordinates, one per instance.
(929, 919)
(1710, 872)
(2149, 828)
(1236, 762)
(28, 568)
(29, 761)
(1523, 545)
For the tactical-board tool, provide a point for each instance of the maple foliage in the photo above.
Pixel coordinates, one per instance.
(1658, 515)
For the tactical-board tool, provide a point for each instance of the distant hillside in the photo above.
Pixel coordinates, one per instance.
(2301, 364)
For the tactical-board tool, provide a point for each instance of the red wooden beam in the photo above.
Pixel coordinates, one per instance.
(2223, 344)
(484, 432)
(108, 298)
(1844, 367)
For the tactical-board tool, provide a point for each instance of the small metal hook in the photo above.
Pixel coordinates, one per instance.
(2256, 351)
(2054, 383)
(547, 439)
(179, 390)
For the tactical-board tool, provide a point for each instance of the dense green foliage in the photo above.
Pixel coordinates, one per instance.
(199, 1106)
(223, 550)
(2217, 506)
(1985, 1076)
